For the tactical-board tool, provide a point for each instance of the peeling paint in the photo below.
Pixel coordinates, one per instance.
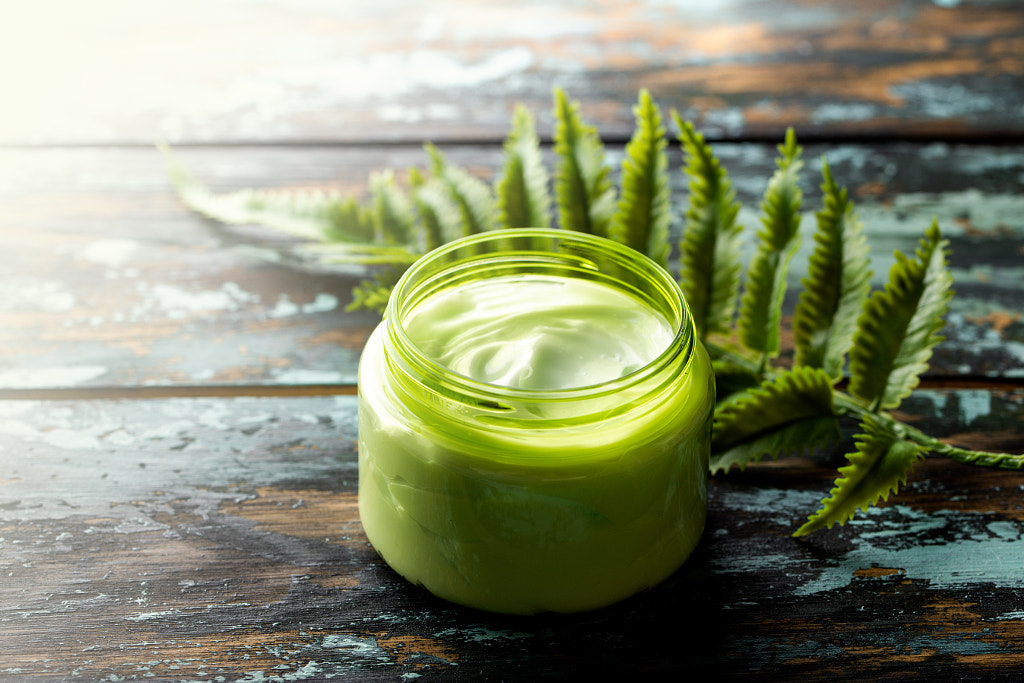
(995, 558)
(30, 295)
(55, 376)
(112, 253)
(323, 303)
(304, 376)
(178, 303)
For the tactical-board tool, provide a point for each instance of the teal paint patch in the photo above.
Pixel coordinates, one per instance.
(480, 634)
(963, 647)
(786, 505)
(995, 557)
(754, 563)
(974, 403)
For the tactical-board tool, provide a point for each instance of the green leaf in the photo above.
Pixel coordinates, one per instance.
(791, 412)
(836, 286)
(710, 249)
(439, 216)
(392, 210)
(760, 314)
(900, 324)
(523, 197)
(373, 294)
(349, 221)
(642, 218)
(473, 197)
(362, 254)
(583, 187)
(878, 467)
(313, 214)
(732, 378)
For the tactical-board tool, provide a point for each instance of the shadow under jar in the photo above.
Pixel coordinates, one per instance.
(534, 423)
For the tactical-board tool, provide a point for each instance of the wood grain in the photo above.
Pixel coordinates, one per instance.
(178, 472)
(401, 70)
(196, 538)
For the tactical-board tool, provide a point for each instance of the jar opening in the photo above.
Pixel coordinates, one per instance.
(631, 291)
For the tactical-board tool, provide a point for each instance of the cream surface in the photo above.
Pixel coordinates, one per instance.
(538, 332)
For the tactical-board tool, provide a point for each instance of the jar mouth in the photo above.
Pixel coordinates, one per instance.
(537, 251)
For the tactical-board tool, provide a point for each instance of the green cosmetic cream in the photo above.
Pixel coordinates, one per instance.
(534, 424)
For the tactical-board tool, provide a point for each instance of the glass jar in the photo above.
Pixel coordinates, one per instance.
(522, 476)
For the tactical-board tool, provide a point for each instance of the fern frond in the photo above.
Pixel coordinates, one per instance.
(641, 220)
(314, 214)
(879, 466)
(900, 325)
(523, 197)
(710, 249)
(349, 221)
(583, 187)
(472, 196)
(361, 254)
(392, 211)
(760, 312)
(439, 216)
(788, 413)
(373, 294)
(837, 283)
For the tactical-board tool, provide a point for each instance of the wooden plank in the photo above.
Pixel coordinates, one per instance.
(450, 69)
(196, 538)
(109, 281)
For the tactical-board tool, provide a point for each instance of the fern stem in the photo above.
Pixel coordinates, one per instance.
(847, 405)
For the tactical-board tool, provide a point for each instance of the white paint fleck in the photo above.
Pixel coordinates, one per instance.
(304, 376)
(729, 121)
(110, 252)
(175, 302)
(363, 647)
(831, 113)
(50, 376)
(36, 296)
(386, 74)
(433, 111)
(285, 307)
(149, 616)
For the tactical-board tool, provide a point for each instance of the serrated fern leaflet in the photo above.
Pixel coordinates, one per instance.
(836, 286)
(760, 312)
(642, 217)
(789, 413)
(438, 215)
(316, 214)
(879, 465)
(710, 250)
(522, 189)
(900, 324)
(393, 213)
(583, 186)
(472, 196)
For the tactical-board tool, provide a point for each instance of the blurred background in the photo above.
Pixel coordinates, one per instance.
(230, 71)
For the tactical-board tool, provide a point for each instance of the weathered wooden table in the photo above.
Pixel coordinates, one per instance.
(177, 410)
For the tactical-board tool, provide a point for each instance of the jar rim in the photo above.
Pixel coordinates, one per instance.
(576, 244)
